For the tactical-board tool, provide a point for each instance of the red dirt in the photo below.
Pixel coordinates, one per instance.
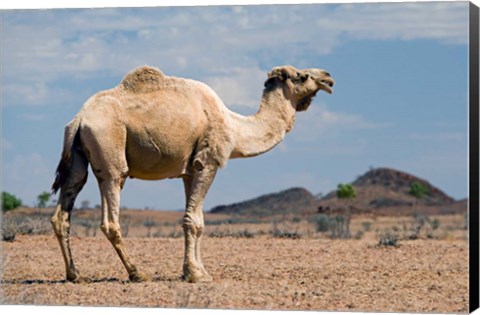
(259, 273)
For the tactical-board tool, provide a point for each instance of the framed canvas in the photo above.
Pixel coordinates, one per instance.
(244, 156)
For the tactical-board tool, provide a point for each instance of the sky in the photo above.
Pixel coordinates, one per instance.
(400, 99)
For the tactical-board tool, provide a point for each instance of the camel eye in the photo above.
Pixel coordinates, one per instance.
(304, 77)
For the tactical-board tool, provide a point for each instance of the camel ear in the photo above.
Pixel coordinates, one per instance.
(280, 73)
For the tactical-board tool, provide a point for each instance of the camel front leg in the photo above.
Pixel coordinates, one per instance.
(196, 188)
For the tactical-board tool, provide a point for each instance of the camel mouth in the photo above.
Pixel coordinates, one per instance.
(323, 79)
(327, 85)
(324, 85)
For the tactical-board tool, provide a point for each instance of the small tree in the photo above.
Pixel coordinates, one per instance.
(347, 193)
(418, 191)
(9, 201)
(43, 198)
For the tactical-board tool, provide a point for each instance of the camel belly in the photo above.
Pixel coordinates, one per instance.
(149, 157)
(154, 166)
(158, 171)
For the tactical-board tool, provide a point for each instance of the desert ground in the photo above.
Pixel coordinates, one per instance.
(254, 270)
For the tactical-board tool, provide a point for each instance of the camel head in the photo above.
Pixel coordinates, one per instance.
(300, 86)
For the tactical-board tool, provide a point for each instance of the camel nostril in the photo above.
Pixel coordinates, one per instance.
(327, 74)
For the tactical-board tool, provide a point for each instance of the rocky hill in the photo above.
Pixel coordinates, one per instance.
(386, 191)
(382, 191)
(294, 200)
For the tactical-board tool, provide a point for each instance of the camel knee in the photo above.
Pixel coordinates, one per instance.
(56, 225)
(112, 232)
(60, 221)
(193, 225)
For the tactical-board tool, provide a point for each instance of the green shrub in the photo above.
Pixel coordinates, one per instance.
(10, 202)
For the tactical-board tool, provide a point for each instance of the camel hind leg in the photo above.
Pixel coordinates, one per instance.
(75, 178)
(108, 160)
(110, 191)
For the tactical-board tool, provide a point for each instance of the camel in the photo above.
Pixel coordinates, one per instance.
(152, 126)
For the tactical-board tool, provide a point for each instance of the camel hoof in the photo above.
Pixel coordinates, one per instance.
(139, 277)
(79, 279)
(198, 278)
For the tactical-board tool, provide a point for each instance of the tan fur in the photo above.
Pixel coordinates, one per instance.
(143, 80)
(153, 126)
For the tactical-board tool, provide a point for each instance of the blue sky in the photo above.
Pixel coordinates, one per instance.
(401, 98)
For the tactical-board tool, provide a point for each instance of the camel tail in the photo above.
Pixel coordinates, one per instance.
(71, 141)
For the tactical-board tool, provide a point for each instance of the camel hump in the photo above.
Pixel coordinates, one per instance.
(143, 80)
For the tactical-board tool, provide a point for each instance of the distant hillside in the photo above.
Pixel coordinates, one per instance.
(386, 191)
(382, 191)
(294, 200)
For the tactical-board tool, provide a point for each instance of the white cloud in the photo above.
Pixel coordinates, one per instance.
(44, 46)
(445, 22)
(32, 94)
(239, 86)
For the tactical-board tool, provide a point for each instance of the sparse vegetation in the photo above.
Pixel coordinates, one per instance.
(435, 224)
(245, 233)
(296, 219)
(149, 223)
(367, 226)
(322, 222)
(89, 225)
(236, 220)
(340, 227)
(126, 223)
(31, 225)
(285, 232)
(9, 231)
(388, 238)
(359, 235)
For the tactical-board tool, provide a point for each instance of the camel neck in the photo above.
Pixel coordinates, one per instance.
(261, 132)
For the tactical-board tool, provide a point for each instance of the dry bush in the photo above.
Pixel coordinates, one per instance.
(34, 226)
(9, 231)
(388, 238)
(285, 232)
(245, 233)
